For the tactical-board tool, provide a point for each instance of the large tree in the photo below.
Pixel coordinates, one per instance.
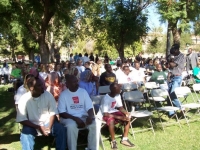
(36, 17)
(120, 22)
(178, 14)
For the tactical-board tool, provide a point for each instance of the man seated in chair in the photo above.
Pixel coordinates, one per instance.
(36, 112)
(76, 111)
(112, 115)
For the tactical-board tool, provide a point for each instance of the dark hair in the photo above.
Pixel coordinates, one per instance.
(174, 47)
(30, 82)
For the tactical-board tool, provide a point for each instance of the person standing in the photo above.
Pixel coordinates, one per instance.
(91, 57)
(191, 60)
(175, 75)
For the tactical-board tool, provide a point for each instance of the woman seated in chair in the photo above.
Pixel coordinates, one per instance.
(112, 115)
(89, 82)
(196, 73)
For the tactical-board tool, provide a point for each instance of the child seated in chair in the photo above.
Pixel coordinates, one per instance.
(112, 116)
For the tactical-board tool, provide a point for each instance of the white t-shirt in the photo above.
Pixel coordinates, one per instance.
(36, 110)
(138, 75)
(125, 78)
(118, 74)
(20, 91)
(80, 68)
(74, 103)
(108, 105)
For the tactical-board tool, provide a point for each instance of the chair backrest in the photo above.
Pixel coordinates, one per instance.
(151, 85)
(129, 86)
(133, 96)
(182, 90)
(104, 89)
(196, 87)
(96, 100)
(159, 93)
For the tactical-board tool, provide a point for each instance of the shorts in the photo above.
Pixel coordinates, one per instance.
(108, 120)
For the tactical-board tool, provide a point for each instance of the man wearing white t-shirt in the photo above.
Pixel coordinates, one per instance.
(126, 76)
(138, 74)
(112, 111)
(36, 112)
(76, 111)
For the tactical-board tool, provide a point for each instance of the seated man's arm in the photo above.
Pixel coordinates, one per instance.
(62, 103)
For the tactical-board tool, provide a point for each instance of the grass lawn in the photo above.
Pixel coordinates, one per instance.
(174, 138)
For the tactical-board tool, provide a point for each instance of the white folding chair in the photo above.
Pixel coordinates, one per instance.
(104, 90)
(129, 87)
(159, 96)
(137, 97)
(184, 92)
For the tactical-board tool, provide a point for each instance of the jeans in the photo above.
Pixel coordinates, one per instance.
(28, 135)
(175, 82)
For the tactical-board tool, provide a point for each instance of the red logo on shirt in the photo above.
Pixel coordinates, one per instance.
(129, 79)
(113, 104)
(75, 99)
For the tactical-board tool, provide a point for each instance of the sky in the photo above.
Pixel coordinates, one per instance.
(153, 19)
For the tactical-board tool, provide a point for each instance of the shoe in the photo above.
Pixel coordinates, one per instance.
(127, 143)
(113, 145)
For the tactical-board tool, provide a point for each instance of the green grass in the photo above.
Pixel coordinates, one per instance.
(174, 138)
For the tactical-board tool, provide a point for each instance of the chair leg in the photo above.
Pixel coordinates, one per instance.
(132, 128)
(101, 142)
(161, 121)
(177, 120)
(150, 121)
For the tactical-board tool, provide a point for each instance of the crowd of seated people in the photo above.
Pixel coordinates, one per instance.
(73, 82)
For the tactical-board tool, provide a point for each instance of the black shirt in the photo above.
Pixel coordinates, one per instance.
(107, 78)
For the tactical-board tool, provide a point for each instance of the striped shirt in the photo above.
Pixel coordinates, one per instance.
(180, 60)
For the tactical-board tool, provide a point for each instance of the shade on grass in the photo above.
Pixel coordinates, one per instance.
(174, 138)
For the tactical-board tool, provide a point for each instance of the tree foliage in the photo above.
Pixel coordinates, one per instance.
(120, 23)
(178, 14)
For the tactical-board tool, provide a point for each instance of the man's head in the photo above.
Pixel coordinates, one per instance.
(137, 65)
(87, 64)
(175, 50)
(115, 88)
(108, 68)
(72, 83)
(79, 62)
(126, 70)
(189, 50)
(158, 67)
(35, 86)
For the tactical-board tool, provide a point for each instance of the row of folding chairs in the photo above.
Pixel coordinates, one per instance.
(155, 95)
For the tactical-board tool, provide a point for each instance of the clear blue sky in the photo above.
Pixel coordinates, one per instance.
(153, 19)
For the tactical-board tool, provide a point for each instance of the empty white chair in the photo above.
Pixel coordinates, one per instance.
(137, 98)
(129, 87)
(159, 96)
(183, 92)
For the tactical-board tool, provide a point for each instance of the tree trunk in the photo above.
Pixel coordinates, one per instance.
(121, 51)
(168, 45)
(44, 51)
(13, 54)
(176, 32)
